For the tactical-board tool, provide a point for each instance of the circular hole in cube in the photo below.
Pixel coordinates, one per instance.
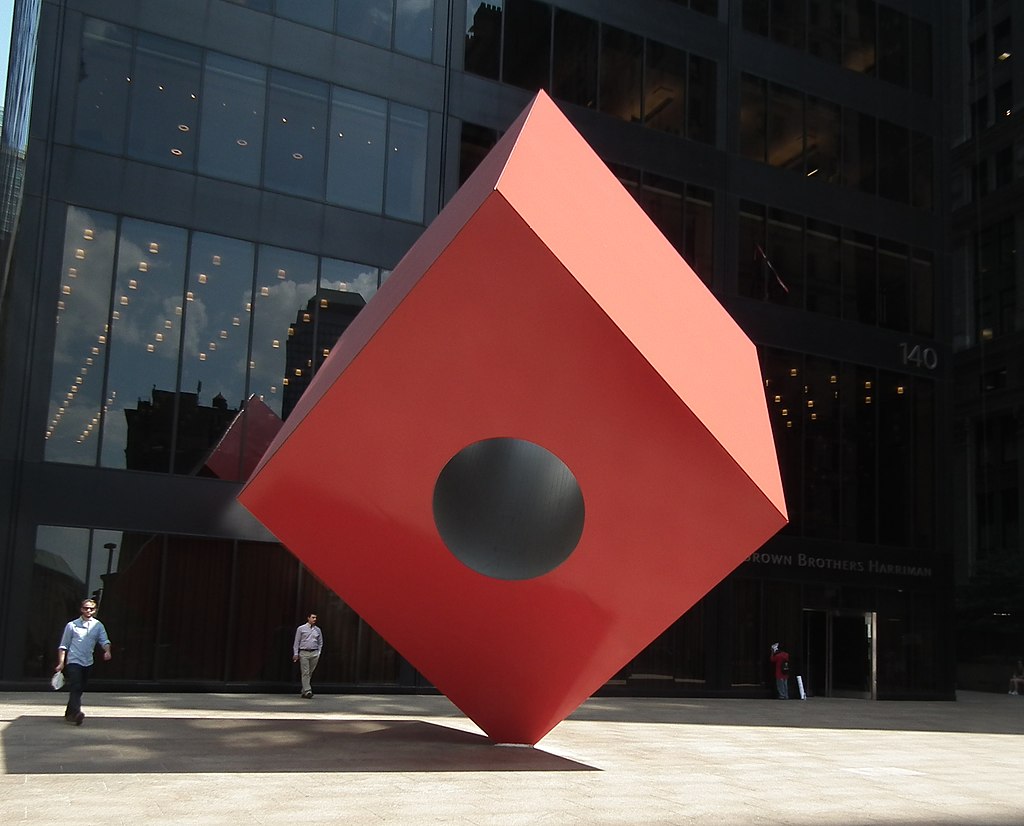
(508, 508)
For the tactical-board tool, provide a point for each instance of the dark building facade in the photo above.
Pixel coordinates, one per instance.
(198, 183)
(987, 277)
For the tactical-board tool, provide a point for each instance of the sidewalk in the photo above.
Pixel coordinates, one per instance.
(255, 758)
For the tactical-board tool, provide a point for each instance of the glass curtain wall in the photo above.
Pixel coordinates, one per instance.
(140, 583)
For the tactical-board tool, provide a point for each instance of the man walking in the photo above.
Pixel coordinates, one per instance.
(74, 656)
(309, 641)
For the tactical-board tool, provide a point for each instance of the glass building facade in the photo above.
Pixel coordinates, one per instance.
(200, 201)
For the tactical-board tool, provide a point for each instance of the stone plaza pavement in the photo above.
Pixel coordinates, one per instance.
(360, 759)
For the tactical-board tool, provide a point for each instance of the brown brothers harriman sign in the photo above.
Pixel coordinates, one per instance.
(840, 566)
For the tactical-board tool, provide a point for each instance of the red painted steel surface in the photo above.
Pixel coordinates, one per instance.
(540, 305)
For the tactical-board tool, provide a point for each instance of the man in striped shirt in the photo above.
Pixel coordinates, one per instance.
(309, 641)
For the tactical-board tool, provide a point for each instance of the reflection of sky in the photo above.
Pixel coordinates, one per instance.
(145, 332)
(217, 319)
(144, 336)
(274, 313)
(85, 293)
(72, 546)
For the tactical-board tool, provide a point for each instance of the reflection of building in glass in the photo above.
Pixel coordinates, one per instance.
(316, 330)
(56, 591)
(152, 438)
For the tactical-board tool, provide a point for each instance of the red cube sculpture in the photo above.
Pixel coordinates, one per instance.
(539, 444)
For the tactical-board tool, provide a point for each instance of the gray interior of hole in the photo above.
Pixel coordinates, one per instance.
(508, 508)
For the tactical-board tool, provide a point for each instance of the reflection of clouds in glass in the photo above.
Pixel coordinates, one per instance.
(364, 283)
(273, 314)
(84, 294)
(85, 307)
(148, 306)
(196, 324)
(69, 544)
(115, 433)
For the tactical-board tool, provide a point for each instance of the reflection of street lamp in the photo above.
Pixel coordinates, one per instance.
(110, 546)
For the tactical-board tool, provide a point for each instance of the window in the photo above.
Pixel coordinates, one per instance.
(366, 20)
(296, 135)
(858, 394)
(893, 46)
(1002, 100)
(823, 267)
(405, 183)
(820, 408)
(859, 277)
(753, 118)
(752, 270)
(620, 75)
(483, 37)
(757, 16)
(859, 36)
(77, 403)
(144, 341)
(893, 286)
(317, 13)
(700, 106)
(664, 88)
(922, 171)
(101, 106)
(859, 151)
(164, 102)
(824, 122)
(788, 22)
(218, 305)
(785, 128)
(231, 126)
(784, 258)
(414, 28)
(527, 44)
(285, 281)
(476, 142)
(574, 76)
(824, 29)
(893, 158)
(357, 150)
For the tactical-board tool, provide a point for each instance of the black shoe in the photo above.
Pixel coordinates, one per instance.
(79, 718)
(308, 695)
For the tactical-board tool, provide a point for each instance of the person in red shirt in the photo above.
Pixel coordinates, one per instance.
(780, 659)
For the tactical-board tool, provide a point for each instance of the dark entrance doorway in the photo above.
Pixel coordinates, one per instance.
(839, 653)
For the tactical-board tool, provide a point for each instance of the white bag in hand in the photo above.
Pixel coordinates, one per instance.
(57, 681)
